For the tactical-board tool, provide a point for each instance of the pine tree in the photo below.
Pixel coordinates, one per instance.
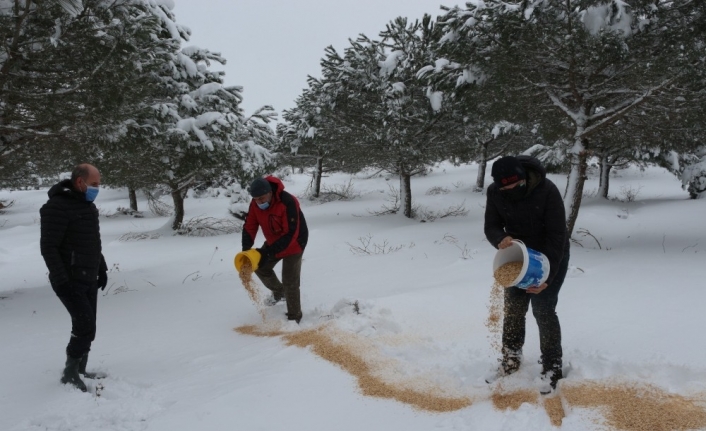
(70, 73)
(398, 120)
(593, 63)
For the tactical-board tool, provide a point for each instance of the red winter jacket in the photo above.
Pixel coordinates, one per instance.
(283, 223)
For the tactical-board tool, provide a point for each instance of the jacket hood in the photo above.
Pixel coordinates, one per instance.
(64, 188)
(536, 173)
(276, 184)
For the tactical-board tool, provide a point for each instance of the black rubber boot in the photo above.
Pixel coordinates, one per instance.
(86, 374)
(71, 375)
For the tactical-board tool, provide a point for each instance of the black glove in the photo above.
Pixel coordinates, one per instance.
(102, 280)
(264, 254)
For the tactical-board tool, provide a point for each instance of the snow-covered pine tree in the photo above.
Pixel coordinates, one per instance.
(70, 71)
(311, 132)
(591, 62)
(193, 130)
(398, 121)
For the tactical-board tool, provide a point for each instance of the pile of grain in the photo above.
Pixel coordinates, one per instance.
(555, 410)
(358, 357)
(507, 273)
(245, 274)
(512, 400)
(639, 408)
(625, 407)
(345, 351)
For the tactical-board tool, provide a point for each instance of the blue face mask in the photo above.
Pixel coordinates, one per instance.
(91, 193)
(263, 206)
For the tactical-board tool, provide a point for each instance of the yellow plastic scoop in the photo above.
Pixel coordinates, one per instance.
(252, 255)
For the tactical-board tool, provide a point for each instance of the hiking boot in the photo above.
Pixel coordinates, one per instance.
(71, 376)
(297, 318)
(86, 374)
(510, 365)
(273, 299)
(550, 377)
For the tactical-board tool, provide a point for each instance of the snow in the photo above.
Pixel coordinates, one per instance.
(597, 18)
(390, 63)
(631, 310)
(436, 99)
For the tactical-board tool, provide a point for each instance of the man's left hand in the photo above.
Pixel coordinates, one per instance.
(102, 280)
(537, 289)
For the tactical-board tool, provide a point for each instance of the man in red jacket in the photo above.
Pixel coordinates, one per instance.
(279, 216)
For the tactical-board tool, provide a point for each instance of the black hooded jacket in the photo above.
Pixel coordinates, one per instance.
(70, 237)
(538, 219)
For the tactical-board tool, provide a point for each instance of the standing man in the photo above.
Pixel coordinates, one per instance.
(286, 234)
(523, 204)
(71, 247)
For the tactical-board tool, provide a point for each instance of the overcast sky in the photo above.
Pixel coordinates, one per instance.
(272, 45)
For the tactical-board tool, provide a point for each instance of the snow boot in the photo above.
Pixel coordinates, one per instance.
(297, 318)
(71, 375)
(550, 377)
(86, 374)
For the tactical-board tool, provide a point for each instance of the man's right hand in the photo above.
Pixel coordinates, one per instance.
(264, 255)
(505, 243)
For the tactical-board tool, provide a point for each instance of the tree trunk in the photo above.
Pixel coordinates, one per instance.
(575, 182)
(318, 173)
(178, 198)
(482, 166)
(133, 198)
(604, 181)
(406, 193)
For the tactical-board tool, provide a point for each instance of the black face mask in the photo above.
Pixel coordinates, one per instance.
(516, 193)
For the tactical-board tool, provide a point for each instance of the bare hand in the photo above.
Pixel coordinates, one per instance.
(537, 289)
(505, 243)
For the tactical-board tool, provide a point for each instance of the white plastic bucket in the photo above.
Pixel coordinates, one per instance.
(535, 265)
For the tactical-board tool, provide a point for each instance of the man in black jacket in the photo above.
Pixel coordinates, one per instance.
(71, 247)
(523, 204)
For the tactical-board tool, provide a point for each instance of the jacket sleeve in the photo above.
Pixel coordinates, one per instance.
(103, 266)
(292, 211)
(249, 229)
(53, 224)
(555, 230)
(494, 226)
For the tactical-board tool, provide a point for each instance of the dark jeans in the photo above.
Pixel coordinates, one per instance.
(81, 304)
(544, 310)
(289, 286)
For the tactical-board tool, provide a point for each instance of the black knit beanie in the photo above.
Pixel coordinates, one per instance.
(507, 170)
(259, 187)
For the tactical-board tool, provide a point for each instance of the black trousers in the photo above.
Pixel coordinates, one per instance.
(81, 304)
(544, 310)
(289, 286)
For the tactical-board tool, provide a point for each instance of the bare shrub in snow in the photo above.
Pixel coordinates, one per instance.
(208, 226)
(425, 214)
(337, 192)
(138, 236)
(437, 191)
(629, 193)
(368, 247)
(5, 205)
(158, 207)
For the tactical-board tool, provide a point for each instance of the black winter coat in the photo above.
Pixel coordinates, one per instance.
(538, 219)
(70, 237)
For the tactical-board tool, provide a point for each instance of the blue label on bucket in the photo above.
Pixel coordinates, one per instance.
(537, 270)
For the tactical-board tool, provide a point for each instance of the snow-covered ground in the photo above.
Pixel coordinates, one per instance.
(631, 311)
